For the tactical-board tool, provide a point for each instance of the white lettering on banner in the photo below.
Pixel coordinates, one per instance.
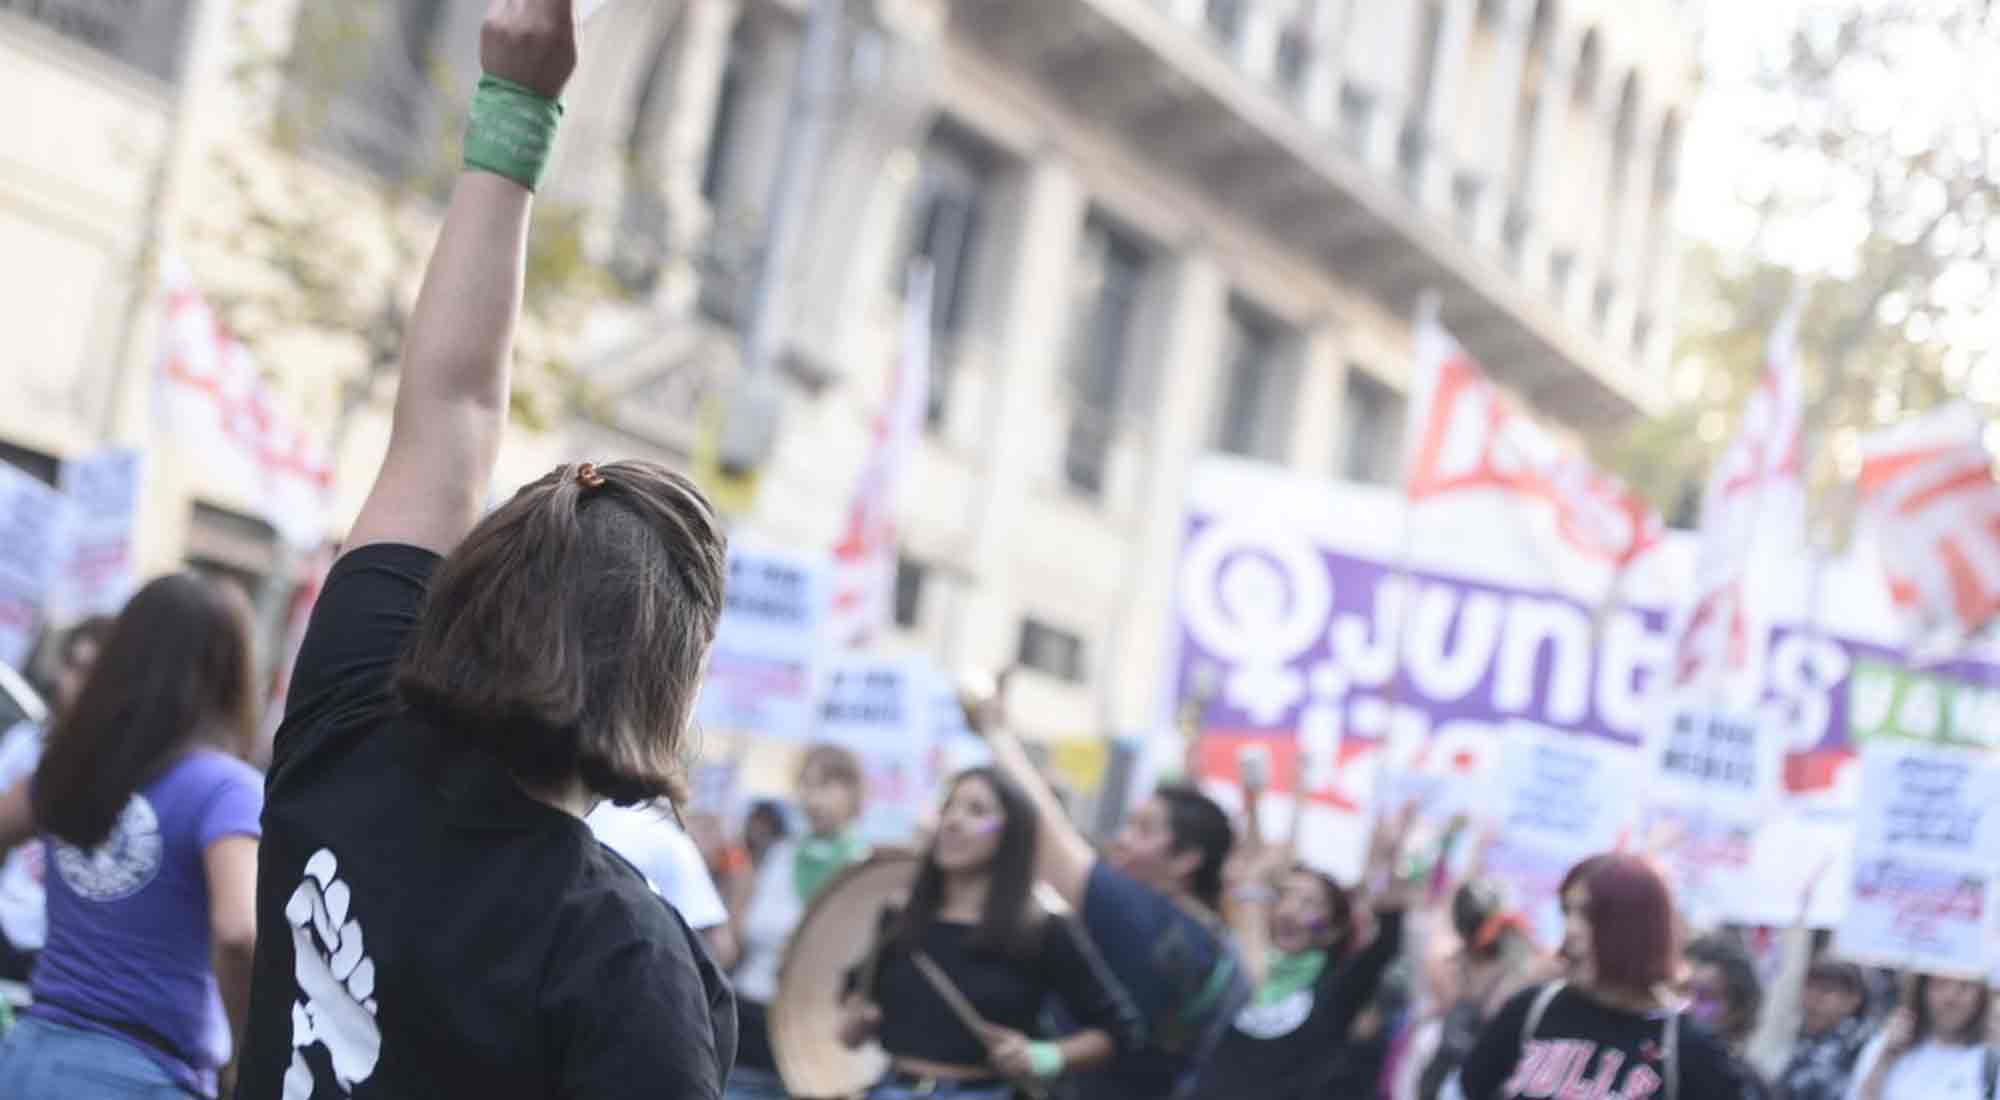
(1371, 664)
(1447, 662)
(1799, 697)
(1535, 624)
(1627, 655)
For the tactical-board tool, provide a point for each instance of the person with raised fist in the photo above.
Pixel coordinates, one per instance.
(436, 918)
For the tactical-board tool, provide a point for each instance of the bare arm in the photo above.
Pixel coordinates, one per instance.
(451, 403)
(17, 817)
(1063, 858)
(231, 864)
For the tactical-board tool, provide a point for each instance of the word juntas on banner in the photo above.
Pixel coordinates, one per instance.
(97, 570)
(762, 670)
(1299, 629)
(213, 398)
(30, 545)
(1929, 497)
(1927, 848)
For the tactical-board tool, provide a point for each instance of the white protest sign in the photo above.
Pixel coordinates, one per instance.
(1927, 848)
(95, 573)
(30, 539)
(1557, 800)
(762, 667)
(881, 709)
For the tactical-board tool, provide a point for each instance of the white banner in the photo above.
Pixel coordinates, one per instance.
(1927, 850)
(762, 669)
(881, 709)
(215, 402)
(96, 574)
(1556, 800)
(30, 543)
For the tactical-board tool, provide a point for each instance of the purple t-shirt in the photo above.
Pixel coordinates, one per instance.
(128, 952)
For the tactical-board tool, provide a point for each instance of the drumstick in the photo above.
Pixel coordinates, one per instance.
(962, 1008)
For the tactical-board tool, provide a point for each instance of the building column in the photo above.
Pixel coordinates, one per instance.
(1190, 365)
(701, 56)
(1191, 13)
(1040, 222)
(1539, 238)
(1510, 36)
(877, 114)
(1322, 388)
(1447, 66)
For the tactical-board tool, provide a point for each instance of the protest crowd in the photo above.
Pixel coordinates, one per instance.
(467, 862)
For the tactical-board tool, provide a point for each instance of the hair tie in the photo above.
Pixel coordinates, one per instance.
(588, 477)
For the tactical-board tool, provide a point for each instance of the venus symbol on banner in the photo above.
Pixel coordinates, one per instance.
(1255, 596)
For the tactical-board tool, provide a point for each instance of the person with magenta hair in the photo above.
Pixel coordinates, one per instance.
(435, 917)
(1935, 1047)
(972, 915)
(1612, 1029)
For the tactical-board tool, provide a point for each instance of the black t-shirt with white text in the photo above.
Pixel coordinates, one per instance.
(1289, 1048)
(428, 929)
(1584, 1048)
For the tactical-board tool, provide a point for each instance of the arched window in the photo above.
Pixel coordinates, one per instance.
(1533, 101)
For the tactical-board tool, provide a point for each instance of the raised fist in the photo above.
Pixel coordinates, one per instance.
(530, 42)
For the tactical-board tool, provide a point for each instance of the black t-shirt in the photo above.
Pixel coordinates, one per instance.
(427, 929)
(1006, 990)
(1288, 1048)
(1582, 1047)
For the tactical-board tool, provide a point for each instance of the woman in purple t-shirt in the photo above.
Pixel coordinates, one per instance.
(151, 825)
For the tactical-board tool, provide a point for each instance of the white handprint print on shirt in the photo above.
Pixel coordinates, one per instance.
(335, 1005)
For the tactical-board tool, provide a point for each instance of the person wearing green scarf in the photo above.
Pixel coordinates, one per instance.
(1319, 971)
(830, 793)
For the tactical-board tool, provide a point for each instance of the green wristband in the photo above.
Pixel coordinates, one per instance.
(1046, 1059)
(511, 131)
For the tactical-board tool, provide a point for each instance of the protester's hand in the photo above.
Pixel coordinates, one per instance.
(1899, 1032)
(860, 1020)
(1008, 1051)
(983, 697)
(530, 42)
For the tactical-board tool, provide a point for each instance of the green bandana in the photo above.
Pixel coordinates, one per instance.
(1289, 974)
(818, 857)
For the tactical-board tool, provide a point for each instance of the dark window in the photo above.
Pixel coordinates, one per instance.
(1600, 302)
(43, 468)
(722, 128)
(1257, 398)
(1294, 51)
(1051, 650)
(1225, 18)
(910, 578)
(1642, 333)
(946, 211)
(1562, 264)
(145, 35)
(1371, 416)
(362, 82)
(1110, 269)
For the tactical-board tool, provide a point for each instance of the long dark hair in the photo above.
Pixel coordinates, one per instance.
(176, 670)
(1009, 921)
(1920, 1005)
(1195, 823)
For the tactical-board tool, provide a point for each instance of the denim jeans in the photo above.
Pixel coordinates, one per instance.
(895, 1090)
(754, 1084)
(40, 1060)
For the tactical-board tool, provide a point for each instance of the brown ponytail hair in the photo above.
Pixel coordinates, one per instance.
(567, 634)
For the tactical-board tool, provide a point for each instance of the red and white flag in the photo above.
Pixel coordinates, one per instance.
(212, 398)
(864, 561)
(1467, 437)
(1928, 493)
(1752, 515)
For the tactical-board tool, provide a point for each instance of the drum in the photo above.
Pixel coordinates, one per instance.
(838, 930)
